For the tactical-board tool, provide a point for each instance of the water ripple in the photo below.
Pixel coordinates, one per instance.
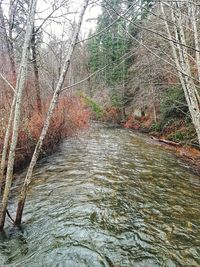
(111, 198)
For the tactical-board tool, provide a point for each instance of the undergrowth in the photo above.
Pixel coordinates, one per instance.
(71, 115)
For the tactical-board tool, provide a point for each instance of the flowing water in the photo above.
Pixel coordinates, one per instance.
(110, 198)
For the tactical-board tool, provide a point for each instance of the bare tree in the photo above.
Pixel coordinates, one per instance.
(52, 106)
(7, 42)
(36, 71)
(17, 112)
(182, 62)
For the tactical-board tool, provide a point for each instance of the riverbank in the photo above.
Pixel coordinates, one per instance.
(188, 154)
(169, 138)
(71, 116)
(175, 137)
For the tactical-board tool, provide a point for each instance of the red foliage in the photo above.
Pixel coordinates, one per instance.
(112, 114)
(70, 115)
(132, 123)
(138, 123)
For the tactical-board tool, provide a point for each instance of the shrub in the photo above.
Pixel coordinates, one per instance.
(112, 115)
(177, 136)
(95, 108)
(173, 105)
(156, 126)
(116, 100)
(71, 115)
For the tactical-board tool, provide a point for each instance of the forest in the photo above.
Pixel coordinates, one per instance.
(91, 74)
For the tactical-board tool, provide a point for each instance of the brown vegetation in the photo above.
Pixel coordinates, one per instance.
(70, 116)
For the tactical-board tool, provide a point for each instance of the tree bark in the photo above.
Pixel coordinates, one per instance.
(6, 139)
(5, 147)
(196, 39)
(17, 112)
(8, 45)
(36, 71)
(192, 101)
(52, 106)
(182, 62)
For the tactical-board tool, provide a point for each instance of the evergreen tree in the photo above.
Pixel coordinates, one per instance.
(108, 47)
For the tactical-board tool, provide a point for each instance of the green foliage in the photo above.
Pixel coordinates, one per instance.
(112, 46)
(156, 127)
(147, 6)
(173, 105)
(116, 100)
(96, 108)
(107, 48)
(177, 136)
(174, 116)
(95, 55)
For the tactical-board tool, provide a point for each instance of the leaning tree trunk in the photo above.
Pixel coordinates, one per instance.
(17, 112)
(52, 106)
(196, 37)
(5, 146)
(6, 139)
(193, 103)
(182, 62)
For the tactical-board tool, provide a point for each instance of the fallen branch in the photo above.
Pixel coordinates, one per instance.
(168, 142)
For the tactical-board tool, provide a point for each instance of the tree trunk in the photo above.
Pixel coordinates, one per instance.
(17, 112)
(5, 146)
(182, 62)
(7, 43)
(52, 106)
(36, 72)
(192, 99)
(6, 138)
(196, 37)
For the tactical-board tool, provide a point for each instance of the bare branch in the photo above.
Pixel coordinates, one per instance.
(7, 82)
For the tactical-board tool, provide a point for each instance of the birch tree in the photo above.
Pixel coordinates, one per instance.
(176, 24)
(17, 111)
(181, 58)
(51, 109)
(7, 42)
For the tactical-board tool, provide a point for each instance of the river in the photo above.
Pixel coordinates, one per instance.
(108, 198)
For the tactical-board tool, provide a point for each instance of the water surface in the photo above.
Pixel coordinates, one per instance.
(109, 198)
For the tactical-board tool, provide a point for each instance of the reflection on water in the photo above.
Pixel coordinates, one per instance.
(110, 198)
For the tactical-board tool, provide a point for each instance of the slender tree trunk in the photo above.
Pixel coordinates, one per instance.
(12, 11)
(191, 88)
(89, 81)
(7, 43)
(17, 112)
(36, 72)
(182, 62)
(52, 106)
(6, 138)
(196, 39)
(5, 146)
